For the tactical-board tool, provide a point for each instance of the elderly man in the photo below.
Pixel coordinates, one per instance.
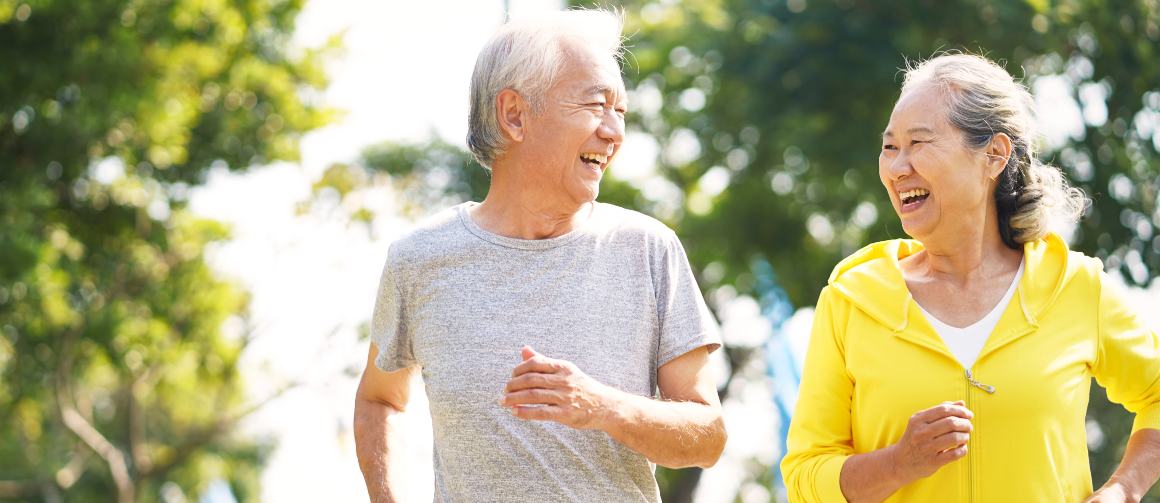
(544, 323)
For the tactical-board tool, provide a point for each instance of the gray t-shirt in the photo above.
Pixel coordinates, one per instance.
(615, 296)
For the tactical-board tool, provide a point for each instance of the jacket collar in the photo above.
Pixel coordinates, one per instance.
(871, 279)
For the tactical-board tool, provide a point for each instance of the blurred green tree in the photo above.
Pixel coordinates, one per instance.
(118, 345)
(787, 100)
(767, 114)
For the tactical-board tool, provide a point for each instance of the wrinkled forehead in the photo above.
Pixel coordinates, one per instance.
(583, 71)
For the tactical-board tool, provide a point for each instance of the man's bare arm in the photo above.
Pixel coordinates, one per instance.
(682, 429)
(380, 395)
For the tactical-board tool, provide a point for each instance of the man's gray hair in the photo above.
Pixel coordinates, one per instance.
(527, 55)
(982, 101)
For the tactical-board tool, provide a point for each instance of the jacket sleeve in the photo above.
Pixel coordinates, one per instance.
(1128, 357)
(820, 439)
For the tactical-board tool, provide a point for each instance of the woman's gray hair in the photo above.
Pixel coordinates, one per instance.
(982, 101)
(527, 55)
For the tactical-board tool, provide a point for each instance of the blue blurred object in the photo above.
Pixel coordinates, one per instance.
(781, 363)
(218, 492)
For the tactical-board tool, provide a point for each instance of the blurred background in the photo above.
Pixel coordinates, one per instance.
(196, 197)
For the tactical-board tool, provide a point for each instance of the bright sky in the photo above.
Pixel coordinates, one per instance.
(403, 76)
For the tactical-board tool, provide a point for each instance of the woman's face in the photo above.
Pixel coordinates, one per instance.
(937, 185)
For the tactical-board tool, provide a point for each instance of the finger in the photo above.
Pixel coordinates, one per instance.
(527, 353)
(533, 380)
(951, 440)
(949, 424)
(538, 363)
(943, 410)
(544, 413)
(949, 455)
(529, 397)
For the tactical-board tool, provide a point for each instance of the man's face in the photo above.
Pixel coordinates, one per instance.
(574, 137)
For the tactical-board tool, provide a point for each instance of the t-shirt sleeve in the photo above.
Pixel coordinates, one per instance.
(388, 325)
(685, 320)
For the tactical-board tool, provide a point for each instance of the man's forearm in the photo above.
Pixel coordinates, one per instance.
(671, 434)
(371, 430)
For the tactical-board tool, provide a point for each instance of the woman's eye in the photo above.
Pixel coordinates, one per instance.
(916, 142)
(889, 147)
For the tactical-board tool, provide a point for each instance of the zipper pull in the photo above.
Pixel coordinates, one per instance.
(985, 387)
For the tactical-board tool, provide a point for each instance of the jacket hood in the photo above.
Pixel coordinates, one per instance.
(872, 281)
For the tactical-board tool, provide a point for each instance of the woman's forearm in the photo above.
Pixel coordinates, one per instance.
(934, 437)
(870, 476)
(1140, 467)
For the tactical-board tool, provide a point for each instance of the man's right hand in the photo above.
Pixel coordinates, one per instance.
(549, 389)
(933, 438)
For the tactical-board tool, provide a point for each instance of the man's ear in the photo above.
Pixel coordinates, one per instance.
(998, 153)
(512, 112)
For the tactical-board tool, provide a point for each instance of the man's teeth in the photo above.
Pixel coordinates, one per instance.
(600, 158)
(911, 194)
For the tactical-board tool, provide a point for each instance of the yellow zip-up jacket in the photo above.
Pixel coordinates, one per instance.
(874, 360)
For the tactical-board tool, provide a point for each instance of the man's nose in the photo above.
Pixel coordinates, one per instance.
(612, 127)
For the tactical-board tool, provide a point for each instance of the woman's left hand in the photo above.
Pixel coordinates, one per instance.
(1112, 493)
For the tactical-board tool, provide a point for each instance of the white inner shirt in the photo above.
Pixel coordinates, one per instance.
(966, 343)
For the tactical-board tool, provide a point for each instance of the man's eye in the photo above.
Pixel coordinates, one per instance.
(916, 142)
(889, 147)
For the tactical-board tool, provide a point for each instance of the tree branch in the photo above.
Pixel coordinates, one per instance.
(208, 433)
(97, 442)
(71, 472)
(88, 434)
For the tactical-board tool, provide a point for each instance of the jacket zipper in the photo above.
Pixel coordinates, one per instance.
(972, 383)
(985, 387)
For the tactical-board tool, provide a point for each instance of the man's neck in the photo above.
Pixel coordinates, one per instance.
(515, 211)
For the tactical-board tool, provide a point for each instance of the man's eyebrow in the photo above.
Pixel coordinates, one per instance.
(598, 89)
(603, 89)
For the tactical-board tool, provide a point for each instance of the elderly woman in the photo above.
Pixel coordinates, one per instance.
(956, 366)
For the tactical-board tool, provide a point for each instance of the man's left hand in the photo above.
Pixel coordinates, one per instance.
(547, 389)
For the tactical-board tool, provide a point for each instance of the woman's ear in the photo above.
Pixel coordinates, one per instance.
(998, 153)
(511, 110)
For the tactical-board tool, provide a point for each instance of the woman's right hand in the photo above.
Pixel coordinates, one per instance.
(933, 438)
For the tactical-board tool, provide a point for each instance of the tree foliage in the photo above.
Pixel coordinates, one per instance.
(117, 378)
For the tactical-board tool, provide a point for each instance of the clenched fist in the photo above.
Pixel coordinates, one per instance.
(933, 438)
(548, 389)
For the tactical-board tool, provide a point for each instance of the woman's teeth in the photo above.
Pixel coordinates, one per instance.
(913, 195)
